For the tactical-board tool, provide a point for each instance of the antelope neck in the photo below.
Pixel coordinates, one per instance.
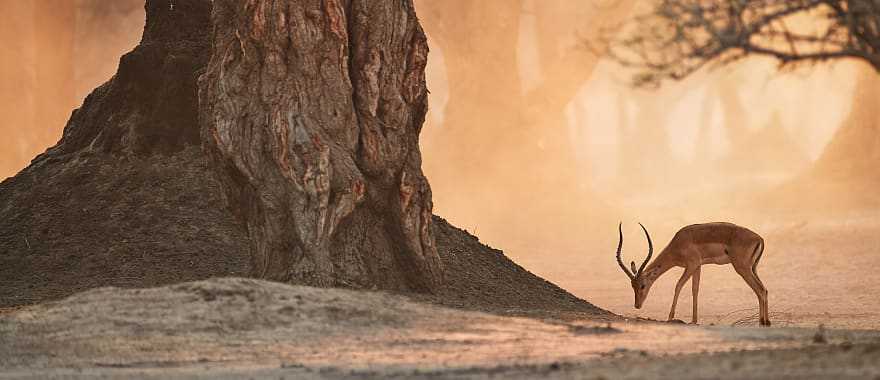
(656, 269)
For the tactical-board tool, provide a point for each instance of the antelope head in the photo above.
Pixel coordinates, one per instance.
(640, 284)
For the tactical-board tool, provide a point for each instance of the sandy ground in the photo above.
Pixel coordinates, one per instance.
(233, 328)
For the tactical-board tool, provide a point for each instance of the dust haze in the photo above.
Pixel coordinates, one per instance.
(539, 147)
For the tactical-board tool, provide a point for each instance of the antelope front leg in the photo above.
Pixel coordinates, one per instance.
(678, 286)
(695, 283)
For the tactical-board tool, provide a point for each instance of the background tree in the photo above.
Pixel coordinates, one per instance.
(677, 38)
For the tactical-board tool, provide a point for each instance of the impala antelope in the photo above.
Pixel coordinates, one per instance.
(692, 247)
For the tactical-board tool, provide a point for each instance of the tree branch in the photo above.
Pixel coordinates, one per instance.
(679, 37)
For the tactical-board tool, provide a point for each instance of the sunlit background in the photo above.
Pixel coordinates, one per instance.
(538, 145)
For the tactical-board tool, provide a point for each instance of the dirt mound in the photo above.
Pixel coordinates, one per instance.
(101, 221)
(105, 222)
(481, 277)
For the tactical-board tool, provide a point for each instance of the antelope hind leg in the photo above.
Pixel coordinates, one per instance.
(760, 291)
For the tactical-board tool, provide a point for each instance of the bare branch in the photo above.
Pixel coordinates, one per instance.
(679, 37)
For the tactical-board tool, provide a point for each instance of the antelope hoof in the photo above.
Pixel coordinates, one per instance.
(765, 323)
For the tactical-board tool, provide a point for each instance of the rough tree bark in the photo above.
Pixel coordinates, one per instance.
(312, 111)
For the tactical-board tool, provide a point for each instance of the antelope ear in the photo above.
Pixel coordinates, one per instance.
(632, 265)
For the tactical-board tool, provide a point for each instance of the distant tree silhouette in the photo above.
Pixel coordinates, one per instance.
(679, 37)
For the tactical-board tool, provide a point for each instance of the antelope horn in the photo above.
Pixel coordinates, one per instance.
(619, 246)
(650, 251)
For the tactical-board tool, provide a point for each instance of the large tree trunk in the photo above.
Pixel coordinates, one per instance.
(312, 110)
